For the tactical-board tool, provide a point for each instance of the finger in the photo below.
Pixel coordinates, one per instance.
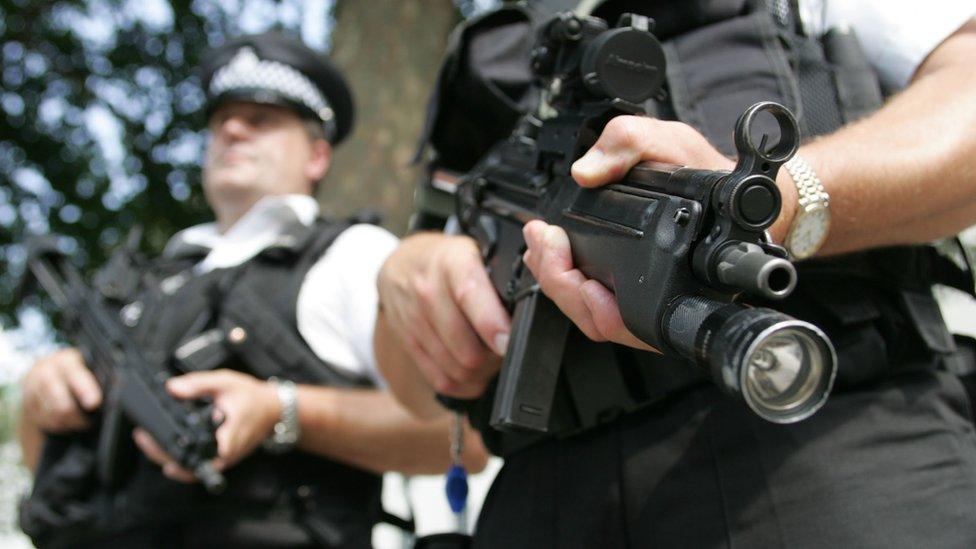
(438, 355)
(82, 383)
(605, 312)
(173, 471)
(438, 379)
(227, 440)
(157, 455)
(59, 409)
(217, 416)
(150, 447)
(552, 265)
(198, 384)
(440, 327)
(219, 463)
(627, 140)
(532, 232)
(411, 320)
(232, 439)
(478, 301)
(454, 327)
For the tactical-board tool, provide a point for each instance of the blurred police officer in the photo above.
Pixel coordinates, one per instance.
(302, 461)
(890, 461)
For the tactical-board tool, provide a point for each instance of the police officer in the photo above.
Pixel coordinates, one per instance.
(890, 461)
(302, 460)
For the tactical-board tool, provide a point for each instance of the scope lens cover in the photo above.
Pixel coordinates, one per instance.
(624, 63)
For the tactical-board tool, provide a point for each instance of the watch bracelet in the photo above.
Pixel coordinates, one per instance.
(287, 393)
(808, 186)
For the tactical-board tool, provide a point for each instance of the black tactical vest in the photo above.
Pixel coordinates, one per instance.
(722, 57)
(168, 312)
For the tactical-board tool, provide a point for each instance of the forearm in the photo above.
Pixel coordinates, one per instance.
(906, 174)
(31, 442)
(369, 429)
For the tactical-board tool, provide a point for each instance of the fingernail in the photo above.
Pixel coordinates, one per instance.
(551, 236)
(588, 166)
(501, 344)
(89, 400)
(175, 384)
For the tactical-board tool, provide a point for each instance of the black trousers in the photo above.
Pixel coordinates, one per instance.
(890, 466)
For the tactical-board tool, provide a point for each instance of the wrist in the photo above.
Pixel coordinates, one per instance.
(788, 193)
(285, 430)
(271, 406)
(810, 223)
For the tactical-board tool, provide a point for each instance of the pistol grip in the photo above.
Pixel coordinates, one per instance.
(527, 383)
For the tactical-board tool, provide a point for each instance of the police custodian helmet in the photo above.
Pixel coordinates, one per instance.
(277, 69)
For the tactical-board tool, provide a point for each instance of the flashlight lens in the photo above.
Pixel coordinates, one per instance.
(785, 371)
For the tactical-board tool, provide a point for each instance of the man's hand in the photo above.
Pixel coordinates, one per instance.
(626, 141)
(248, 407)
(438, 301)
(59, 391)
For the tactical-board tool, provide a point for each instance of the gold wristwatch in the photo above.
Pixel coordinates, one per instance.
(811, 222)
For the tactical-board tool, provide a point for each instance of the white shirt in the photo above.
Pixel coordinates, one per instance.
(897, 35)
(337, 303)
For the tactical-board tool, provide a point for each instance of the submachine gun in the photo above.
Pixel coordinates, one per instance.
(676, 245)
(133, 385)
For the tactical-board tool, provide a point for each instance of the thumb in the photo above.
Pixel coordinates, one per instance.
(197, 384)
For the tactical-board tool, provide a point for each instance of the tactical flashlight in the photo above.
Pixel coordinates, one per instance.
(783, 368)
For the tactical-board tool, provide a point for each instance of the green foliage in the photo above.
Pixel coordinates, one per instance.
(100, 122)
(7, 413)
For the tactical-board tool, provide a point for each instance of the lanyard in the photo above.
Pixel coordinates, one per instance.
(456, 486)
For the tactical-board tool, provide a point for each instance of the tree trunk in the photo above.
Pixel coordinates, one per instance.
(390, 51)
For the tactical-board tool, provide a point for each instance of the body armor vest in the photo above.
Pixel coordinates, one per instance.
(172, 309)
(722, 57)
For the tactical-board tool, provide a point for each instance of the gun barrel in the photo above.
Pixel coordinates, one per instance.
(749, 268)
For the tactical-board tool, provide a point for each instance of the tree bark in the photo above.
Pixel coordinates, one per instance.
(390, 51)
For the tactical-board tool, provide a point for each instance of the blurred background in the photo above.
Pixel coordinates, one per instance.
(100, 129)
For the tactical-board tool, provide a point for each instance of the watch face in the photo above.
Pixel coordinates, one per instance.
(809, 232)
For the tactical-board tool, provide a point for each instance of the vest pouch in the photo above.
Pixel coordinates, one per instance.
(876, 334)
(717, 71)
(926, 317)
(837, 84)
(962, 363)
(852, 322)
(605, 381)
(857, 86)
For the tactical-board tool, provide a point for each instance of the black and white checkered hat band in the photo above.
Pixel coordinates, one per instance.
(247, 72)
